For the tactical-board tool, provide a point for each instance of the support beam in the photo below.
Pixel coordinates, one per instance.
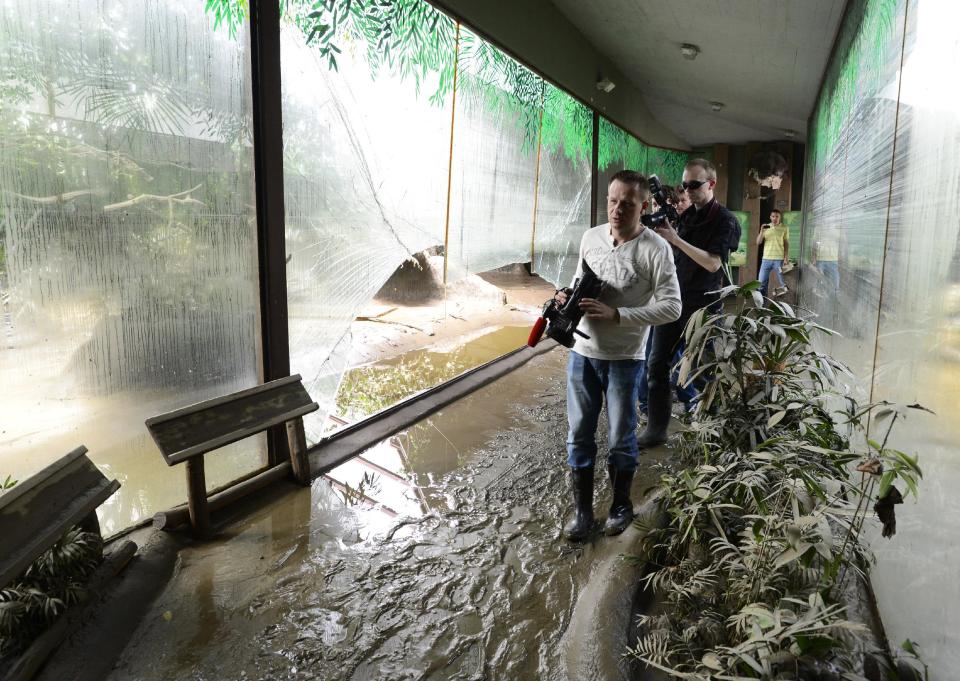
(595, 170)
(268, 164)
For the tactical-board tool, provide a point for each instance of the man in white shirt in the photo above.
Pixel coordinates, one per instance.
(640, 290)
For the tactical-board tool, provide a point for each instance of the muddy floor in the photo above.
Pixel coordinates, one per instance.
(448, 564)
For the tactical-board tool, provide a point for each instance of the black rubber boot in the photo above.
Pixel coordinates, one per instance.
(579, 528)
(621, 510)
(658, 419)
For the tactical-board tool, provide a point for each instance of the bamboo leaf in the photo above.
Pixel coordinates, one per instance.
(886, 481)
(711, 661)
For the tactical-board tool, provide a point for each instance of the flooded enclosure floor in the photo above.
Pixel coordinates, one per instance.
(437, 556)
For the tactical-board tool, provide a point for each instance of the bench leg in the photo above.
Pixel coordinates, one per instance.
(197, 497)
(297, 442)
(92, 524)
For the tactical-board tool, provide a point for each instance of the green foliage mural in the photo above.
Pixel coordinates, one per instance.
(855, 73)
(620, 149)
(567, 125)
(414, 40)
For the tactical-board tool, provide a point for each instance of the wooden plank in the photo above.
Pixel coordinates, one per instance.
(232, 418)
(197, 497)
(179, 515)
(37, 479)
(233, 436)
(41, 517)
(297, 443)
(721, 161)
(223, 399)
(751, 204)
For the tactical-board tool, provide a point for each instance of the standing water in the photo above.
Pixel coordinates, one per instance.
(449, 564)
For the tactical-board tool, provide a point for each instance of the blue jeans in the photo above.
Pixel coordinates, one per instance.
(767, 266)
(831, 270)
(686, 394)
(830, 283)
(589, 383)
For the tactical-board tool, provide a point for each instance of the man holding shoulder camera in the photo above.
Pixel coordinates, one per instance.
(639, 289)
(702, 241)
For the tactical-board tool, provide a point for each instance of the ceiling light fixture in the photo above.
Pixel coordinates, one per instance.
(789, 134)
(716, 106)
(605, 85)
(689, 51)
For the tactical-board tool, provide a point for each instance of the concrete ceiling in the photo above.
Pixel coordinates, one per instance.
(762, 58)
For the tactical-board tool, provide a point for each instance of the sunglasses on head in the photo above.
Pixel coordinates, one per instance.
(693, 184)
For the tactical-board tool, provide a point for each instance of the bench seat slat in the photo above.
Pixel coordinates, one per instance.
(24, 487)
(213, 424)
(34, 523)
(233, 436)
(223, 399)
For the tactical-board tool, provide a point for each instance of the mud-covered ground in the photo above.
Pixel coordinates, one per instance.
(471, 581)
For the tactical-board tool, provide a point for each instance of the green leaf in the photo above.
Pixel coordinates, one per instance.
(882, 414)
(775, 418)
(791, 554)
(750, 660)
(886, 481)
(911, 483)
(797, 335)
(910, 647)
(816, 645)
(909, 461)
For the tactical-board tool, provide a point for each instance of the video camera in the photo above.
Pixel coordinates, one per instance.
(666, 210)
(561, 320)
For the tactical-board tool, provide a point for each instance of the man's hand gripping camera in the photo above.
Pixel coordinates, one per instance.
(561, 320)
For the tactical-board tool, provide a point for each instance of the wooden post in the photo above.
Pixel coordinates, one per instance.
(180, 515)
(721, 160)
(453, 120)
(297, 442)
(197, 497)
(751, 204)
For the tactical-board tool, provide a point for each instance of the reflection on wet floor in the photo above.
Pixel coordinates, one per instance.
(369, 388)
(450, 567)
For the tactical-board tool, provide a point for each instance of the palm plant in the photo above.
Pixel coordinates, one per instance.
(53, 582)
(765, 520)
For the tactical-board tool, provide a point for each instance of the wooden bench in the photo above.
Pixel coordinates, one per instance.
(186, 434)
(34, 515)
(38, 511)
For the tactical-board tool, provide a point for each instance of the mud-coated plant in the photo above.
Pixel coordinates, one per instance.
(763, 542)
(53, 582)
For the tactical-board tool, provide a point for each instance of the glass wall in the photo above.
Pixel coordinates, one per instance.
(563, 187)
(882, 265)
(408, 224)
(494, 162)
(365, 191)
(619, 149)
(128, 255)
(426, 175)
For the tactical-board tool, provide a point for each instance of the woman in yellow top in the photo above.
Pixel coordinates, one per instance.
(776, 252)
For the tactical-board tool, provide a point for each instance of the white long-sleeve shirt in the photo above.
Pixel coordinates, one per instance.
(640, 280)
